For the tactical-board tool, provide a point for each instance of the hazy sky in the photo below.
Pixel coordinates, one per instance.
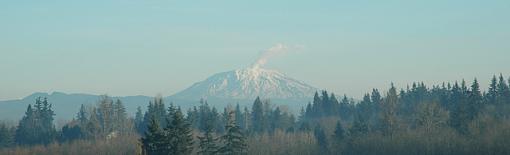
(146, 47)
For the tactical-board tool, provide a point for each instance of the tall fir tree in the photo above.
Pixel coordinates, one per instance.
(339, 133)
(82, 115)
(6, 136)
(234, 141)
(208, 143)
(139, 126)
(37, 127)
(93, 127)
(360, 126)
(322, 141)
(492, 93)
(389, 116)
(503, 91)
(153, 140)
(178, 139)
(257, 116)
(475, 100)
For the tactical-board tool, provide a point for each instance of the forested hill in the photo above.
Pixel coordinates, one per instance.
(64, 104)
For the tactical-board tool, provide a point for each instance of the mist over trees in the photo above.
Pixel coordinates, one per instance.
(450, 118)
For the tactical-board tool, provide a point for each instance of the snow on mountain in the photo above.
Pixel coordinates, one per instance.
(247, 84)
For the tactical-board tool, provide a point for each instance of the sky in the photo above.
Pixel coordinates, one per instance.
(150, 47)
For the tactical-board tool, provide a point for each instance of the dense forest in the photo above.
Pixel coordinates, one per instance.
(450, 118)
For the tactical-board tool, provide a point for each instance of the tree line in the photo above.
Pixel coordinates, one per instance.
(450, 118)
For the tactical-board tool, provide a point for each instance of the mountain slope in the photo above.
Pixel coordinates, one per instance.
(248, 84)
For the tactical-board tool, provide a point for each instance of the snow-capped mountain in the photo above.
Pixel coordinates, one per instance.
(247, 84)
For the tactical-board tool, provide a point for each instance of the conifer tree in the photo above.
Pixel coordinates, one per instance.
(322, 141)
(389, 118)
(25, 131)
(153, 140)
(375, 98)
(257, 116)
(178, 139)
(36, 127)
(339, 133)
(234, 142)
(459, 115)
(503, 91)
(82, 115)
(239, 117)
(344, 108)
(316, 108)
(208, 143)
(246, 116)
(93, 126)
(6, 137)
(335, 105)
(492, 93)
(140, 128)
(359, 126)
(475, 100)
(338, 139)
(120, 120)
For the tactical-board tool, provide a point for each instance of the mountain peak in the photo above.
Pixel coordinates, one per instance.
(248, 83)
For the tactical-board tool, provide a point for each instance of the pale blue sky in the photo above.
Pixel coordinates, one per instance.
(146, 47)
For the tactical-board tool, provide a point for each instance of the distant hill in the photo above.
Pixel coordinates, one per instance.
(65, 105)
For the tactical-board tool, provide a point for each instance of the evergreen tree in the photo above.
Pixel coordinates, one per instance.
(156, 109)
(178, 139)
(36, 127)
(25, 131)
(93, 127)
(308, 112)
(359, 126)
(153, 140)
(6, 137)
(120, 120)
(233, 140)
(218, 120)
(71, 131)
(338, 139)
(246, 116)
(389, 118)
(204, 115)
(276, 119)
(492, 93)
(327, 106)
(475, 100)
(334, 104)
(376, 100)
(316, 108)
(82, 115)
(366, 107)
(106, 114)
(459, 115)
(257, 116)
(320, 136)
(239, 117)
(344, 108)
(208, 143)
(339, 133)
(140, 128)
(503, 91)
(47, 131)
